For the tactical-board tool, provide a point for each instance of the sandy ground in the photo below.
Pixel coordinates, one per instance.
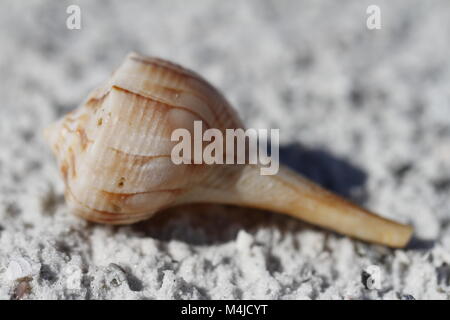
(364, 113)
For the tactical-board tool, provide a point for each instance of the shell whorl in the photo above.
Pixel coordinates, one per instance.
(114, 150)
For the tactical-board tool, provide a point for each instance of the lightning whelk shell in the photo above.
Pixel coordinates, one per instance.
(114, 154)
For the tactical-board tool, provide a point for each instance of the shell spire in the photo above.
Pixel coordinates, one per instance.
(114, 153)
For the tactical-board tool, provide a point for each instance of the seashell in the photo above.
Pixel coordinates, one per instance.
(19, 268)
(114, 155)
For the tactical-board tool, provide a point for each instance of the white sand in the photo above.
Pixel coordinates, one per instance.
(371, 110)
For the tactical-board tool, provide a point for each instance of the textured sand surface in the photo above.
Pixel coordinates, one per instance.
(364, 113)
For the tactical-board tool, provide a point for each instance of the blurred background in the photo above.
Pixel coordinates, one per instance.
(365, 113)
